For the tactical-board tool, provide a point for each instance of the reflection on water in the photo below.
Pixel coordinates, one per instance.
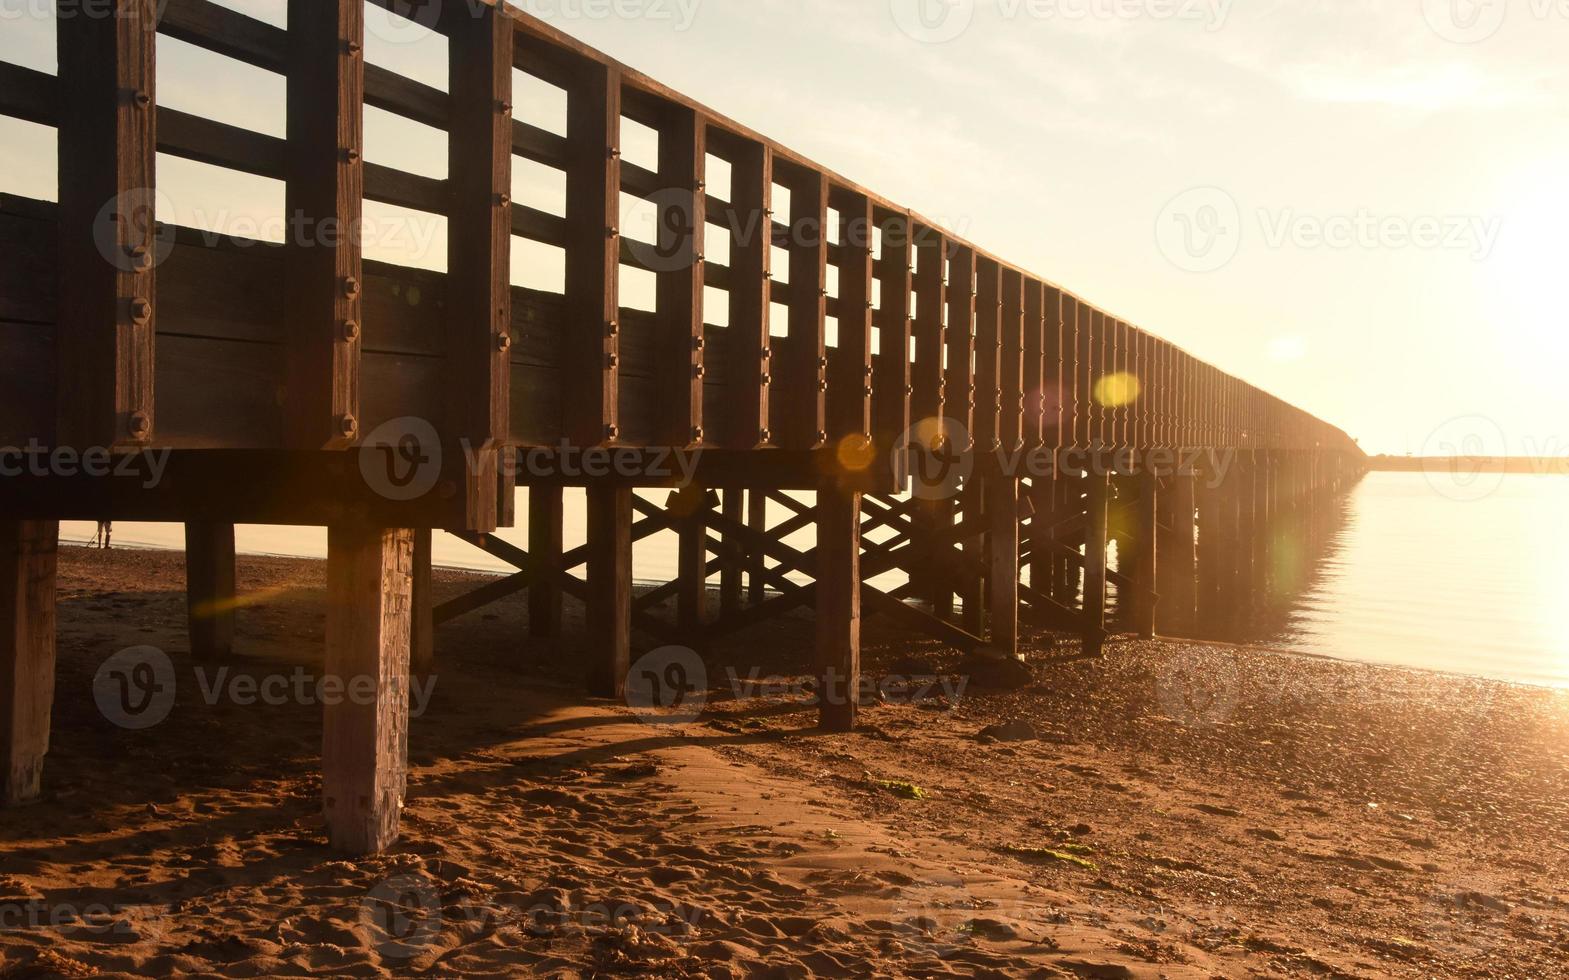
(1436, 572)
(1406, 570)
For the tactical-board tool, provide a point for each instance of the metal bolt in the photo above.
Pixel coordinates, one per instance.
(141, 310)
(766, 379)
(822, 386)
(503, 342)
(141, 258)
(351, 154)
(353, 47)
(504, 200)
(140, 425)
(766, 353)
(351, 330)
(141, 99)
(347, 425)
(612, 328)
(611, 361)
(822, 436)
(611, 232)
(698, 343)
(765, 436)
(697, 433)
(868, 390)
(698, 371)
(822, 363)
(612, 431)
(504, 106)
(351, 287)
(868, 370)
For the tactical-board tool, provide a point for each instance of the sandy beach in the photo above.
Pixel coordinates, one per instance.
(1173, 810)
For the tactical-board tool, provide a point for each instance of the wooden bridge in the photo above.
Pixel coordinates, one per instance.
(834, 345)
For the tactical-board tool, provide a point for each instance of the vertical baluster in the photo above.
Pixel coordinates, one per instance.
(678, 302)
(107, 318)
(591, 334)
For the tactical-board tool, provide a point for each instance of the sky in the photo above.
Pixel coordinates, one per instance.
(1361, 206)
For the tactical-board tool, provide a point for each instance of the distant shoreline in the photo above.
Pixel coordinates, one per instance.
(1550, 465)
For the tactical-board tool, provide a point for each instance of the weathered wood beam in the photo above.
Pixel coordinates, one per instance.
(608, 614)
(892, 384)
(850, 389)
(478, 320)
(545, 530)
(744, 417)
(422, 630)
(324, 186)
(678, 288)
(591, 338)
(797, 416)
(365, 742)
(209, 589)
(838, 608)
(27, 654)
(1002, 520)
(108, 226)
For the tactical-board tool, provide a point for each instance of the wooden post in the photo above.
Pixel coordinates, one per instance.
(1002, 523)
(973, 546)
(365, 742)
(324, 187)
(608, 614)
(478, 316)
(107, 144)
(692, 568)
(683, 157)
(1097, 504)
(1175, 572)
(838, 607)
(209, 589)
(733, 508)
(27, 638)
(942, 521)
(757, 520)
(422, 655)
(1144, 553)
(544, 546)
(1213, 540)
(591, 350)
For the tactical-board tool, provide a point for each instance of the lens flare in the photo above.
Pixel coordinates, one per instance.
(1116, 390)
(856, 452)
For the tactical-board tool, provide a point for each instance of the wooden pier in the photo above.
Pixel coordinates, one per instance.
(864, 351)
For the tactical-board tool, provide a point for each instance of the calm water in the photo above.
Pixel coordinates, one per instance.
(1469, 577)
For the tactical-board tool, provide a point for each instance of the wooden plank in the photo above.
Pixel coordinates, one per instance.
(29, 95)
(931, 297)
(365, 742)
(988, 356)
(1002, 522)
(209, 589)
(693, 505)
(1010, 370)
(591, 335)
(324, 186)
(1034, 379)
(107, 150)
(798, 413)
(683, 168)
(1144, 553)
(545, 531)
(743, 417)
(756, 567)
(1097, 501)
(959, 376)
(732, 508)
(422, 630)
(838, 608)
(1056, 371)
(891, 388)
(27, 654)
(478, 322)
(849, 387)
(608, 614)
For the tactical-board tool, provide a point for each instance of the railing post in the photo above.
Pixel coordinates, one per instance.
(838, 607)
(108, 228)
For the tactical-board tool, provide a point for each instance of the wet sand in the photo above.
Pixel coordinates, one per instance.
(1174, 810)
